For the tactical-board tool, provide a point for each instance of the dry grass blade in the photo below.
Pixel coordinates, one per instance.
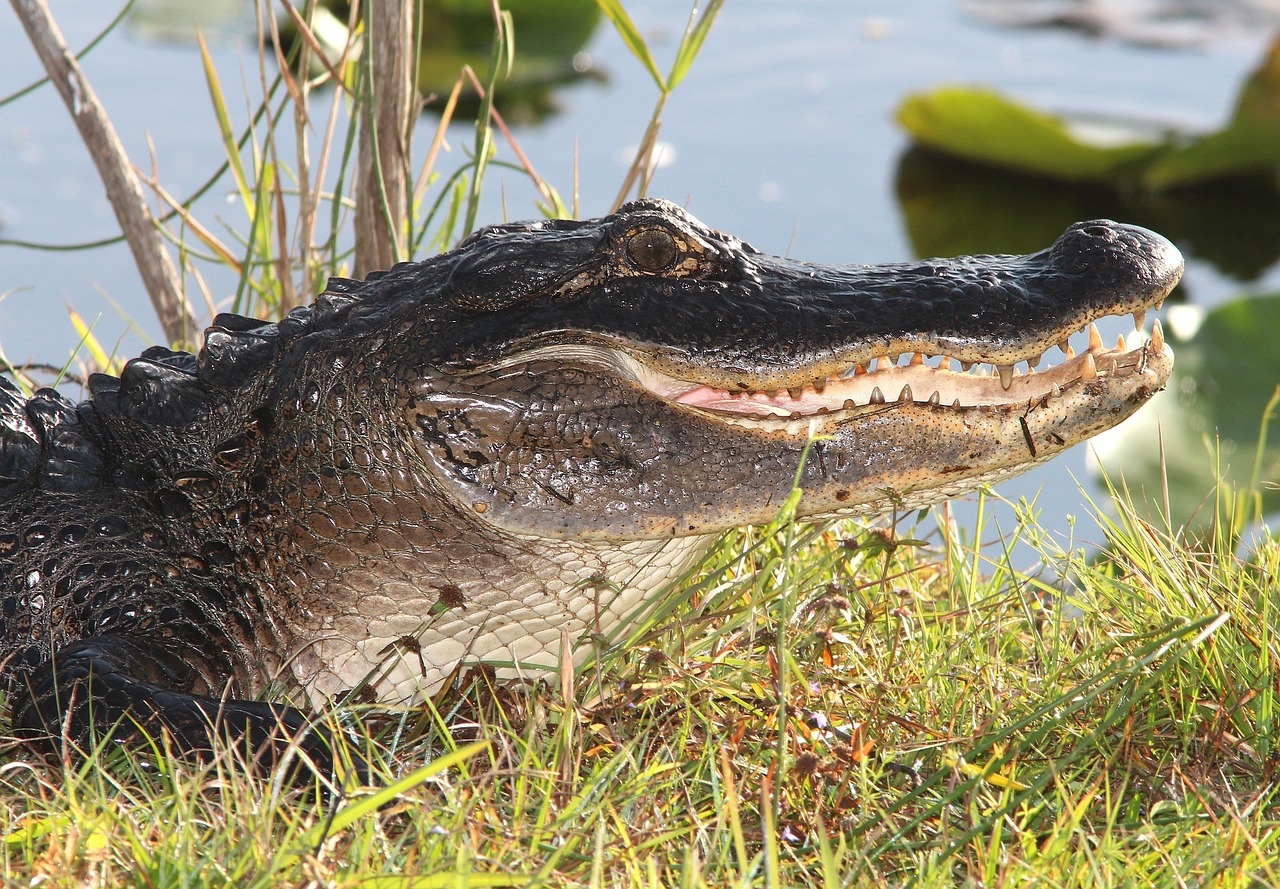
(313, 44)
(193, 224)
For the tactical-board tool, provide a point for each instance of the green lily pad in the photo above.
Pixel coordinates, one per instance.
(983, 126)
(1250, 141)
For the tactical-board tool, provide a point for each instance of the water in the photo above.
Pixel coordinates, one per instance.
(782, 133)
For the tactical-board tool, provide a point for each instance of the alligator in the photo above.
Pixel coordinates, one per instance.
(514, 445)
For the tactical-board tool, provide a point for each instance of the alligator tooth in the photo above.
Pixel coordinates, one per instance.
(1055, 391)
(1065, 347)
(1069, 352)
(917, 358)
(1095, 338)
(877, 397)
(1138, 318)
(1006, 375)
(936, 398)
(893, 359)
(1160, 305)
(796, 392)
(1157, 334)
(1088, 370)
(820, 386)
(859, 370)
(1120, 343)
(849, 403)
(905, 395)
(1033, 363)
(956, 403)
(881, 362)
(966, 366)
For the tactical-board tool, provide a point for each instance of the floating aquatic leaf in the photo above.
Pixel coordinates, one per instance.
(982, 125)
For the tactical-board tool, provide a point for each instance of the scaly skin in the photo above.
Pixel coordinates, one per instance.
(466, 458)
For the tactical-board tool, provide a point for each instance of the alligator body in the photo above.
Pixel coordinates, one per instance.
(521, 441)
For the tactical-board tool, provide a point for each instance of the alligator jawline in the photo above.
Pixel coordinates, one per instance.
(882, 382)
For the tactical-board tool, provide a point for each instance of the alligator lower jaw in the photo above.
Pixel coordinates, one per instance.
(1097, 374)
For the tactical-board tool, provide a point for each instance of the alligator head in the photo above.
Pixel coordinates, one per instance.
(642, 375)
(594, 401)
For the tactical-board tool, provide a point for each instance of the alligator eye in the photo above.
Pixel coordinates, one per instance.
(652, 249)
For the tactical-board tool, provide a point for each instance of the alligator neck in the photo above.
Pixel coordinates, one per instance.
(403, 635)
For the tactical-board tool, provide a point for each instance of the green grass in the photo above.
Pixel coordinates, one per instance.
(836, 706)
(833, 707)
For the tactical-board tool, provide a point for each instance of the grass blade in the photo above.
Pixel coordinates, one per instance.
(225, 131)
(630, 34)
(349, 814)
(696, 32)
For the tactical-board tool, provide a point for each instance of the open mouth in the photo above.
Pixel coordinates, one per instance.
(918, 377)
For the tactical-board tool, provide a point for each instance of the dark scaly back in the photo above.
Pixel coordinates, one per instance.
(116, 517)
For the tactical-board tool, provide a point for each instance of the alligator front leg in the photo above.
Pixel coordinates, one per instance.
(91, 689)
